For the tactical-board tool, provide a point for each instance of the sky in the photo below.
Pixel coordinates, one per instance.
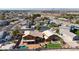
(39, 3)
(39, 9)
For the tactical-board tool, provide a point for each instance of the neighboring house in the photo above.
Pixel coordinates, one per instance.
(44, 28)
(64, 19)
(74, 26)
(4, 36)
(37, 19)
(56, 21)
(4, 22)
(8, 37)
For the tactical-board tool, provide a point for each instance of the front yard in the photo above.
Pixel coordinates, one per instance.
(77, 32)
(53, 45)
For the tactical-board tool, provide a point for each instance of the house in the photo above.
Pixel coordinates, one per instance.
(4, 22)
(64, 19)
(33, 33)
(32, 37)
(44, 28)
(36, 36)
(48, 33)
(4, 36)
(53, 38)
(74, 26)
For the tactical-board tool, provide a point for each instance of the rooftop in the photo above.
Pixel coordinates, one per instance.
(33, 33)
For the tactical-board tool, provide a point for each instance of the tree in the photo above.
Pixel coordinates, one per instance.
(36, 15)
(44, 18)
(2, 17)
(15, 32)
(37, 26)
(57, 31)
(52, 25)
(77, 22)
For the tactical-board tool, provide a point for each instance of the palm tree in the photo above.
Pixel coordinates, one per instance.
(18, 42)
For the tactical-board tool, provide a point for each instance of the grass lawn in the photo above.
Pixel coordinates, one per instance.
(77, 32)
(54, 45)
